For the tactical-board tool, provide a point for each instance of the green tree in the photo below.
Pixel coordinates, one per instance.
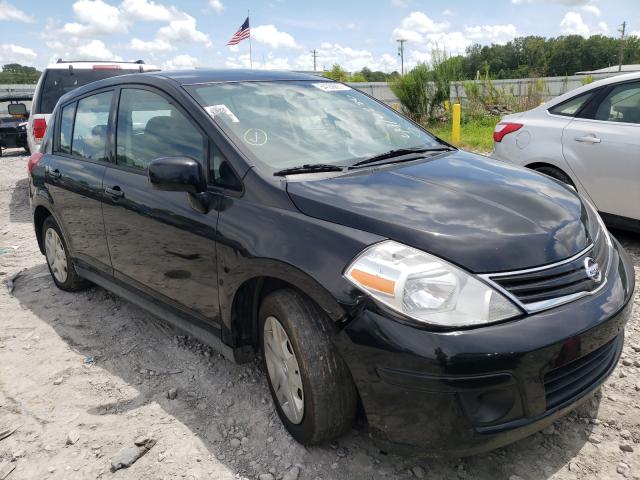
(337, 73)
(16, 73)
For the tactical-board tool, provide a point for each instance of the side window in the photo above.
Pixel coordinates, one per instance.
(90, 127)
(571, 107)
(149, 127)
(622, 104)
(220, 172)
(66, 128)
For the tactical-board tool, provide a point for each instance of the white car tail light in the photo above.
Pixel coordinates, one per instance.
(505, 128)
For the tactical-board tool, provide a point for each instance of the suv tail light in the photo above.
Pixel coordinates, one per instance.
(505, 128)
(33, 160)
(39, 128)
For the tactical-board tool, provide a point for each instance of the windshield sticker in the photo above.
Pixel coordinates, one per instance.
(255, 136)
(216, 110)
(331, 87)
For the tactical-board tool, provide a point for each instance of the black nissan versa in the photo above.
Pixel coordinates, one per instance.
(454, 302)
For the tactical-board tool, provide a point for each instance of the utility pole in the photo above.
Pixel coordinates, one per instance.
(314, 52)
(401, 54)
(621, 30)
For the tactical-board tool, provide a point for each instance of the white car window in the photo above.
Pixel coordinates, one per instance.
(622, 104)
(572, 106)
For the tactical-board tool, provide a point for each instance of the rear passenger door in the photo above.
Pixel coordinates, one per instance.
(602, 147)
(158, 242)
(74, 174)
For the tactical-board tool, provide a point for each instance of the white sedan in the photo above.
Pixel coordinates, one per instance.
(588, 138)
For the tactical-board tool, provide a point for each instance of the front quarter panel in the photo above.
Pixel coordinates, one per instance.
(264, 235)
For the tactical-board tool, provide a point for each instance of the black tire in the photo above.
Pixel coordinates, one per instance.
(73, 281)
(28, 150)
(330, 397)
(556, 173)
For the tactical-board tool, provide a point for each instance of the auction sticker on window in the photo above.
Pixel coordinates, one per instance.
(216, 110)
(331, 87)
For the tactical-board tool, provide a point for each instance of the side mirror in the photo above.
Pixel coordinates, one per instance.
(17, 109)
(177, 174)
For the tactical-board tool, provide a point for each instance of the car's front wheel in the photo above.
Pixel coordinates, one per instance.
(311, 385)
(58, 259)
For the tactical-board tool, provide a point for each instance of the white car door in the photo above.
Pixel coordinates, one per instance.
(603, 150)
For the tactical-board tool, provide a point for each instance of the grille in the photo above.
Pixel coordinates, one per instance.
(565, 383)
(545, 287)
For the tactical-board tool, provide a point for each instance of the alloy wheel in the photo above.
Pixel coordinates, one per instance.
(56, 256)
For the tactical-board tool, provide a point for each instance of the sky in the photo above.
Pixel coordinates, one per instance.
(355, 34)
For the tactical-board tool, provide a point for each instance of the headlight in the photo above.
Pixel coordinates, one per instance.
(427, 288)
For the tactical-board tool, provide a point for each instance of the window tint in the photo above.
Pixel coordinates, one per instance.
(221, 173)
(622, 104)
(150, 127)
(90, 127)
(66, 127)
(570, 107)
(58, 81)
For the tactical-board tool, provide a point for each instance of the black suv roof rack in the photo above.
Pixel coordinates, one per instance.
(137, 62)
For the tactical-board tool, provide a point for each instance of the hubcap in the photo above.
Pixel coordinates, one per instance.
(56, 256)
(283, 370)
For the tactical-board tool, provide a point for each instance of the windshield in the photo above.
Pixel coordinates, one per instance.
(287, 124)
(60, 81)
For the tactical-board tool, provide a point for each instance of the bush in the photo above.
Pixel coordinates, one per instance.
(415, 92)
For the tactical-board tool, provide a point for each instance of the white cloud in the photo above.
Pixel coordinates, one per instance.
(10, 53)
(400, 3)
(635, 33)
(572, 24)
(9, 12)
(447, 12)
(591, 9)
(95, 50)
(603, 27)
(146, 11)
(216, 5)
(95, 17)
(180, 62)
(272, 36)
(421, 23)
(155, 45)
(183, 29)
(499, 34)
(559, 2)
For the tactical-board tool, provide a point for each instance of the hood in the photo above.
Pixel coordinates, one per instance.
(483, 215)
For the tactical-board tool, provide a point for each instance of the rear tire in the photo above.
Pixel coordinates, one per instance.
(556, 173)
(322, 385)
(58, 260)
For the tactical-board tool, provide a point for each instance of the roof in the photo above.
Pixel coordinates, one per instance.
(186, 77)
(613, 69)
(90, 64)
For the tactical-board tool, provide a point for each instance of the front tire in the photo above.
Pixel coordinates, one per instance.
(58, 260)
(310, 384)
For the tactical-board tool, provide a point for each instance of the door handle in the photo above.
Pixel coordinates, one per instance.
(114, 192)
(53, 173)
(588, 139)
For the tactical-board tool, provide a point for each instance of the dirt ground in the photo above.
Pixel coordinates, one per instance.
(84, 375)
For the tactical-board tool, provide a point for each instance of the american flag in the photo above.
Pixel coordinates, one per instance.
(242, 33)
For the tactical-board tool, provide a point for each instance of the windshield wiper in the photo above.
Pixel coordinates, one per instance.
(398, 152)
(309, 168)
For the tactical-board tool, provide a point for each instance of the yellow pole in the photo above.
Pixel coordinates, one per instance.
(455, 124)
(446, 105)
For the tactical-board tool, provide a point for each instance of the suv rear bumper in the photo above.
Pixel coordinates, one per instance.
(469, 391)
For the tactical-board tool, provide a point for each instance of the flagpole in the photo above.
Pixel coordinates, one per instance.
(250, 55)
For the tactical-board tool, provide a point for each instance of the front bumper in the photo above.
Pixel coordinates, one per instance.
(465, 392)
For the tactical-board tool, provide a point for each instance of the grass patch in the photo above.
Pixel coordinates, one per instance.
(476, 134)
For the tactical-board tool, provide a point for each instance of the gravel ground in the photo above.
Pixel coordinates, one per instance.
(84, 375)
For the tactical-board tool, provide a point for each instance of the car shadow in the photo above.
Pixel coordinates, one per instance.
(219, 400)
(19, 209)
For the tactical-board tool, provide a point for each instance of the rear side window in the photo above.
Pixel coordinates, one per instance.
(90, 127)
(622, 104)
(66, 128)
(571, 107)
(150, 127)
(57, 82)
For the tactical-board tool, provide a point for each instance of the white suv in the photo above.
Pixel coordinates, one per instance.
(588, 138)
(62, 77)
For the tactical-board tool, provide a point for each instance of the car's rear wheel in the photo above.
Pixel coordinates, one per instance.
(311, 386)
(556, 173)
(58, 259)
